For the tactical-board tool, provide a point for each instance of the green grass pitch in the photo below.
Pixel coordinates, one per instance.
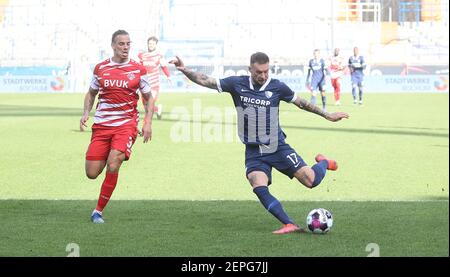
(191, 198)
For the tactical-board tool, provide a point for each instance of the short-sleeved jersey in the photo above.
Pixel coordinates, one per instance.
(152, 61)
(356, 65)
(258, 108)
(118, 85)
(318, 70)
(337, 67)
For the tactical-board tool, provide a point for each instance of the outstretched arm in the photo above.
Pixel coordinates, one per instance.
(307, 106)
(196, 77)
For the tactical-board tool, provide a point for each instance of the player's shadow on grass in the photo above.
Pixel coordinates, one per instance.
(24, 111)
(336, 129)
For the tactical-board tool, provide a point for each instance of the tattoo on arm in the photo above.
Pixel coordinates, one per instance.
(307, 106)
(200, 79)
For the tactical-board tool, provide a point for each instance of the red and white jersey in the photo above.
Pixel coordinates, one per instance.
(152, 62)
(118, 85)
(337, 67)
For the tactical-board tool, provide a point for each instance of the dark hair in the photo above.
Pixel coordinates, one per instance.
(153, 38)
(259, 57)
(118, 33)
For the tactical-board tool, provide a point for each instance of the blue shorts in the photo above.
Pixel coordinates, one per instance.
(357, 80)
(320, 86)
(285, 160)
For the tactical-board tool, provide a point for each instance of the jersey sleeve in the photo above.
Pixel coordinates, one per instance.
(95, 82)
(144, 82)
(227, 84)
(287, 95)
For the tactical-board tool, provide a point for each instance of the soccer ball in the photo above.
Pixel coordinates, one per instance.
(319, 221)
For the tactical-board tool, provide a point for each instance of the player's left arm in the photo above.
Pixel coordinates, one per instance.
(307, 106)
(144, 87)
(149, 107)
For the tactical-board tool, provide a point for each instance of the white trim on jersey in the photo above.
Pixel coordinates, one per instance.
(115, 124)
(294, 98)
(114, 63)
(265, 84)
(144, 84)
(103, 105)
(95, 84)
(101, 120)
(111, 113)
(219, 87)
(263, 87)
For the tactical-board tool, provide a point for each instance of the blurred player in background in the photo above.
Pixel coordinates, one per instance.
(257, 98)
(117, 82)
(317, 70)
(153, 60)
(357, 65)
(337, 67)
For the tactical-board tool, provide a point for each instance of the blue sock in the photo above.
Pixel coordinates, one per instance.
(354, 93)
(271, 204)
(313, 100)
(360, 94)
(320, 169)
(324, 102)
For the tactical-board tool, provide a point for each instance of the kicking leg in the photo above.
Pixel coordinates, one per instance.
(311, 177)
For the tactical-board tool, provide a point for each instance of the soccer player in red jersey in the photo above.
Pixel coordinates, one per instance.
(117, 82)
(337, 67)
(153, 60)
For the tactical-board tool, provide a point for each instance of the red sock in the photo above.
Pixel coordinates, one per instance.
(155, 108)
(337, 89)
(107, 189)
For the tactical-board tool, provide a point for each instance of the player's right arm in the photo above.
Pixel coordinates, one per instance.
(89, 100)
(196, 77)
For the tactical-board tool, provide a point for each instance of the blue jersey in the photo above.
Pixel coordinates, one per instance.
(258, 107)
(356, 65)
(318, 69)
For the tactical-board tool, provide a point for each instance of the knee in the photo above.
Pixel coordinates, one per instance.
(92, 175)
(114, 163)
(306, 180)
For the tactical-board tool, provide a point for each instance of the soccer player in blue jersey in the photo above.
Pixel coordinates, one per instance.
(317, 70)
(357, 65)
(257, 99)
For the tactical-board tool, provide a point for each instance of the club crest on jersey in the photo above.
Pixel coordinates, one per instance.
(131, 76)
(269, 94)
